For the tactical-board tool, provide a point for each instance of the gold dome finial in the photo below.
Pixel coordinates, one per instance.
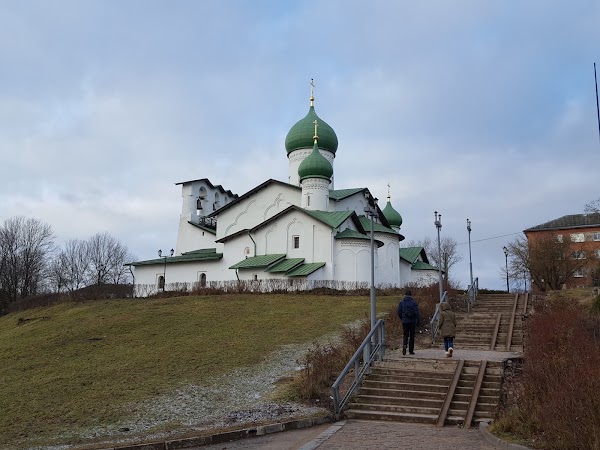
(316, 137)
(312, 93)
(388, 191)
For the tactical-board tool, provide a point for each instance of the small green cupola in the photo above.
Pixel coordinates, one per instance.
(315, 165)
(301, 134)
(392, 216)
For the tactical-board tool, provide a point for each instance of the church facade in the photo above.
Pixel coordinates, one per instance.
(301, 229)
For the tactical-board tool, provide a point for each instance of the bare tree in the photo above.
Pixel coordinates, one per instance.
(548, 261)
(25, 247)
(74, 259)
(592, 207)
(449, 253)
(107, 257)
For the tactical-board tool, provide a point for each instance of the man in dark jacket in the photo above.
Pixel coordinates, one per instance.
(408, 311)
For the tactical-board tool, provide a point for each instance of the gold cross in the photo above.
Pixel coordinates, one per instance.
(312, 92)
(388, 191)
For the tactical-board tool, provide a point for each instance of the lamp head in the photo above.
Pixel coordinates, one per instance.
(159, 253)
(172, 251)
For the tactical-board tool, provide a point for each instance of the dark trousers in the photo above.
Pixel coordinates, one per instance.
(408, 330)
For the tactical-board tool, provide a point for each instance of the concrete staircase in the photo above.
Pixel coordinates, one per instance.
(447, 391)
(409, 390)
(487, 393)
(477, 329)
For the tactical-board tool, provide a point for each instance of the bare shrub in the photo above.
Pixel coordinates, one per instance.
(558, 395)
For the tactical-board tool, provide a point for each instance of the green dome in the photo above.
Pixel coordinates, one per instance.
(301, 134)
(315, 165)
(392, 216)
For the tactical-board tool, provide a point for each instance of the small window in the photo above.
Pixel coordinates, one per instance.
(598, 253)
(296, 241)
(579, 254)
(577, 237)
(596, 237)
(559, 237)
(578, 273)
(247, 251)
(308, 200)
(255, 277)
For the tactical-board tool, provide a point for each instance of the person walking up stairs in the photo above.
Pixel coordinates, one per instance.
(447, 324)
(408, 311)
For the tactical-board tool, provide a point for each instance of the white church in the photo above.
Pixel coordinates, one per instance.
(303, 231)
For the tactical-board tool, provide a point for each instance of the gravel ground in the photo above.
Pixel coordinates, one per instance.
(239, 398)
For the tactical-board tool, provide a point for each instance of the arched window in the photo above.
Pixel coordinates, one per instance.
(203, 280)
(161, 282)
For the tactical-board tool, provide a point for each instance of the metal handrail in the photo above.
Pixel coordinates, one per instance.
(472, 293)
(434, 322)
(368, 356)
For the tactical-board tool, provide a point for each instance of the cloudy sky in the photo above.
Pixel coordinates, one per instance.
(478, 109)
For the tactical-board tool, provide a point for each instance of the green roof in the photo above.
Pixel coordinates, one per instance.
(341, 194)
(420, 265)
(315, 165)
(377, 227)
(257, 261)
(301, 134)
(304, 269)
(285, 265)
(410, 254)
(205, 254)
(334, 219)
(393, 217)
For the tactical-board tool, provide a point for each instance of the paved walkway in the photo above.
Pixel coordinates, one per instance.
(363, 435)
(374, 435)
(467, 354)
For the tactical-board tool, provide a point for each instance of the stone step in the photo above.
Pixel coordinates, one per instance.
(393, 408)
(405, 386)
(409, 379)
(409, 394)
(397, 417)
(399, 401)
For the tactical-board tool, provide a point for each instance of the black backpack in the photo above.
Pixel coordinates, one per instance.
(408, 312)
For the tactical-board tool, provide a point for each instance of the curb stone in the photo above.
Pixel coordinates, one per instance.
(496, 441)
(228, 436)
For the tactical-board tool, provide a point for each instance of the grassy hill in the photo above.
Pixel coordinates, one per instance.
(77, 365)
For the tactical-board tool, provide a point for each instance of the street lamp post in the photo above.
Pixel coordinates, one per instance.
(506, 261)
(438, 225)
(371, 212)
(470, 261)
(165, 267)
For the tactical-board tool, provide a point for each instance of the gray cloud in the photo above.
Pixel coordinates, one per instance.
(479, 110)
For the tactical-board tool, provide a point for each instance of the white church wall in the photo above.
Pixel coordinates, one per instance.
(425, 277)
(191, 238)
(388, 256)
(353, 260)
(257, 208)
(405, 272)
(356, 203)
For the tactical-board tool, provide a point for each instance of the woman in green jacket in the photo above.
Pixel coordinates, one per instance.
(447, 324)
